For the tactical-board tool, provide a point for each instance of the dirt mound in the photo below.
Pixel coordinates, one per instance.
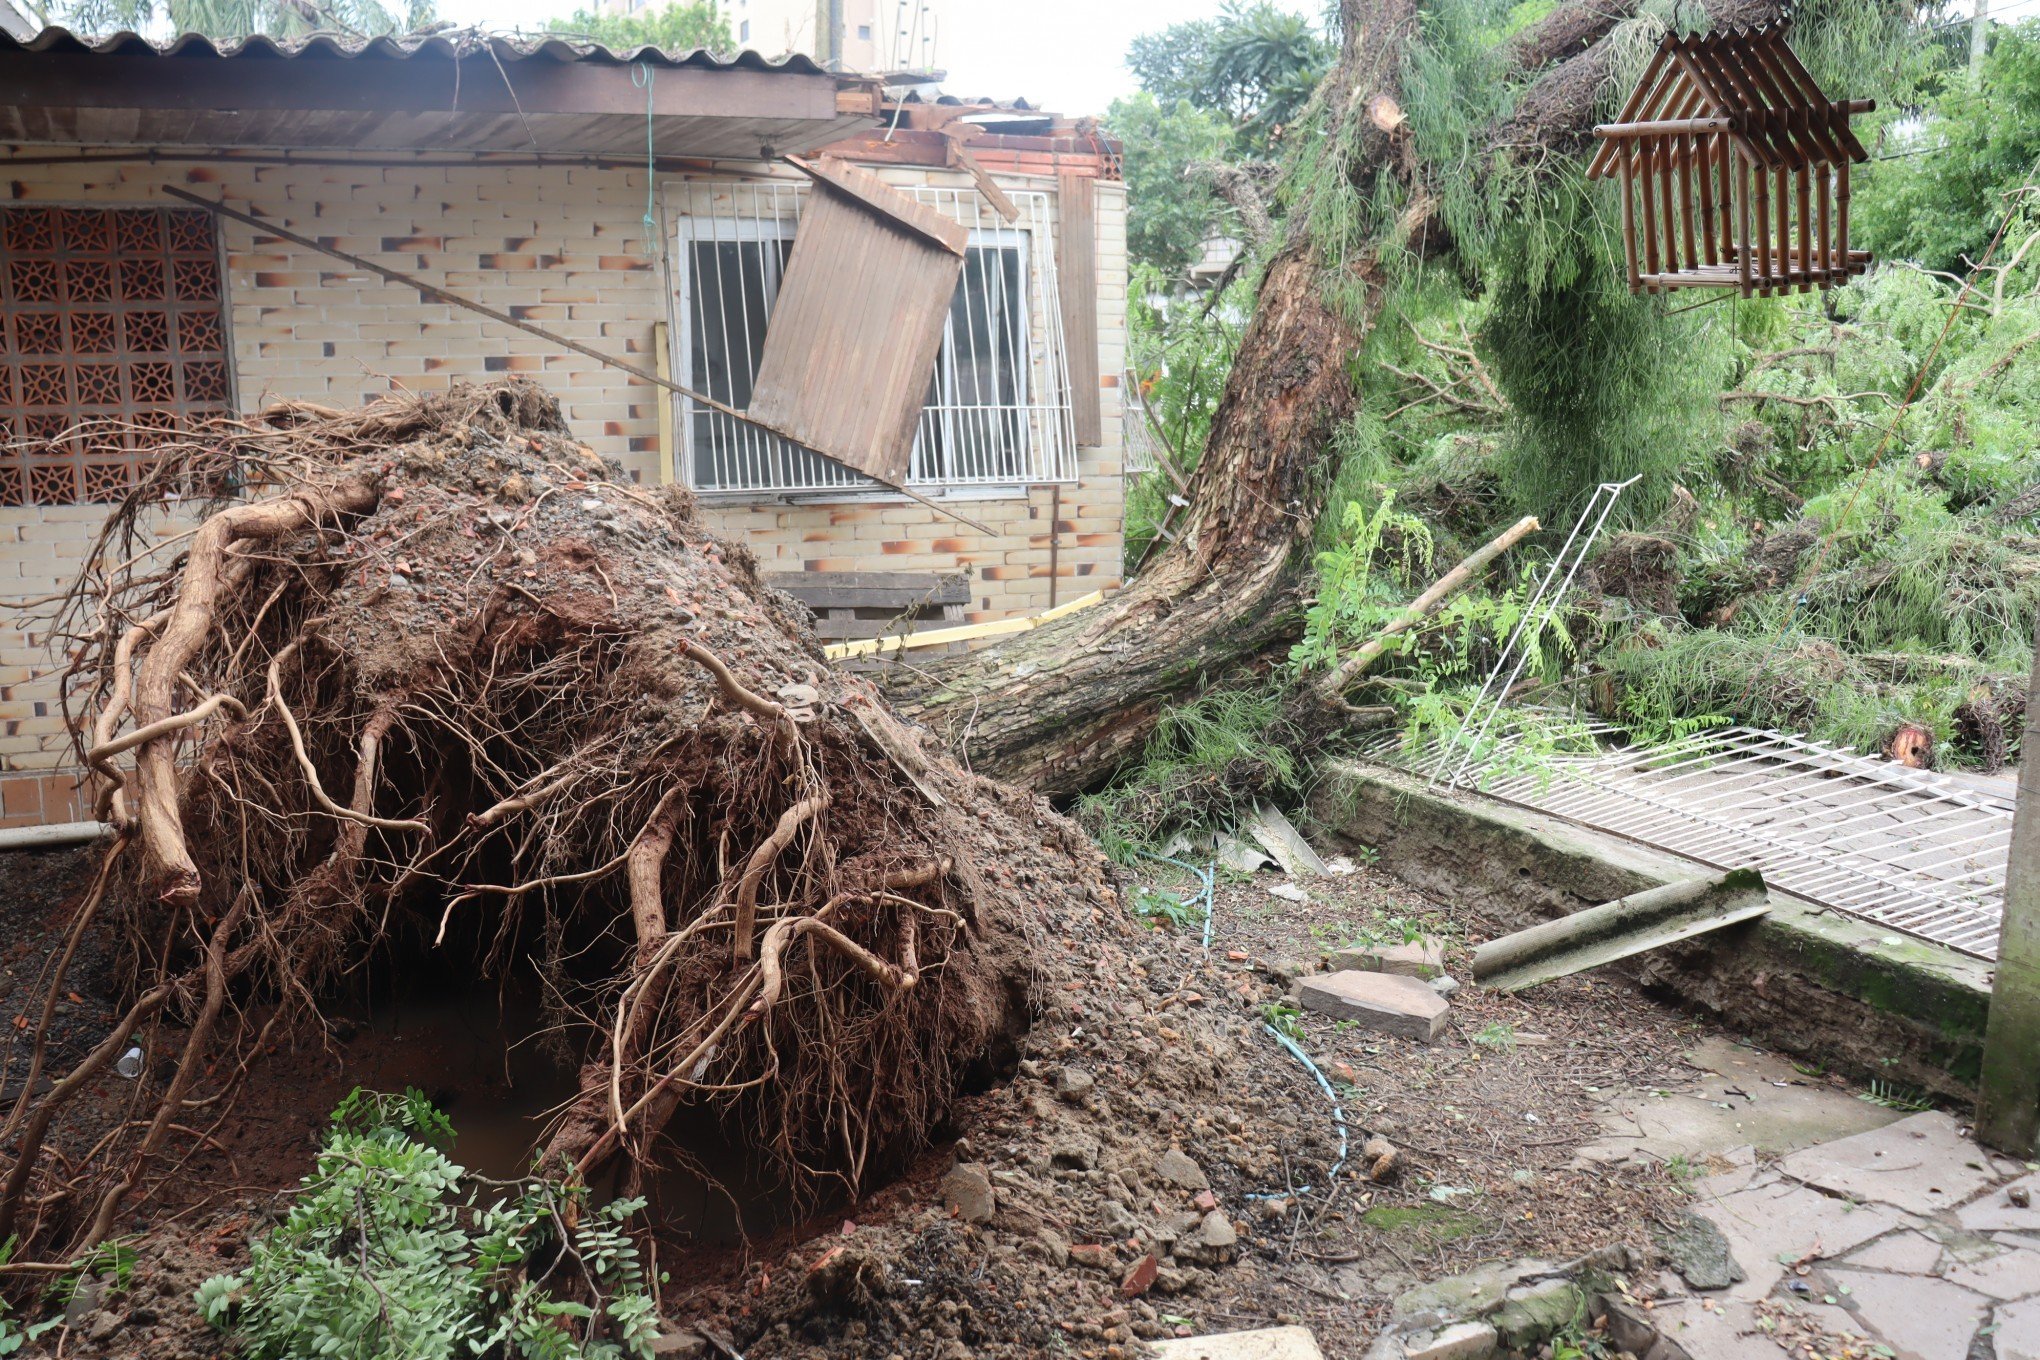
(454, 695)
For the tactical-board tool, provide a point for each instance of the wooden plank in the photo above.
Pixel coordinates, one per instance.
(937, 637)
(960, 157)
(857, 326)
(1076, 264)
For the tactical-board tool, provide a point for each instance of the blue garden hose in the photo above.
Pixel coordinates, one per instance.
(1338, 1114)
(1207, 876)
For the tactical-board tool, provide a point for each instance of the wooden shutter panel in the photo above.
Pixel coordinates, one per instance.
(1076, 267)
(859, 321)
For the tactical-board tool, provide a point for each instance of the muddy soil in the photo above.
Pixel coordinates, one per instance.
(1145, 1045)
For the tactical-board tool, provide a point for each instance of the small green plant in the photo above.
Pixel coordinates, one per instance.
(391, 1251)
(1165, 907)
(1499, 1036)
(1682, 1170)
(13, 1334)
(1284, 1019)
(1367, 855)
(1894, 1095)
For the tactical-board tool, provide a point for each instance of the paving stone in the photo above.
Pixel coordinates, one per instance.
(1733, 1170)
(1269, 1343)
(1995, 1212)
(2014, 1274)
(1908, 1253)
(1423, 959)
(1728, 1331)
(1767, 1222)
(1395, 1005)
(1460, 1341)
(1925, 1318)
(1922, 1164)
(1739, 1097)
(2018, 1331)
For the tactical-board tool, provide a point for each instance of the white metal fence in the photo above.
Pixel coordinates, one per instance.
(1908, 849)
(1142, 448)
(999, 409)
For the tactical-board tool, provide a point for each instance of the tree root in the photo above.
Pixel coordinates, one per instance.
(414, 714)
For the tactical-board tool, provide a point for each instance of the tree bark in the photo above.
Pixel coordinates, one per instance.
(1060, 707)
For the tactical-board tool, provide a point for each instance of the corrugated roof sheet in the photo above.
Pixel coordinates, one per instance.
(461, 43)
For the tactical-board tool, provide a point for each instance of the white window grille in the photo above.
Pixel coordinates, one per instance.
(1141, 447)
(998, 411)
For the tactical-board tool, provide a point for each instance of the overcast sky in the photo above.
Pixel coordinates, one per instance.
(1065, 55)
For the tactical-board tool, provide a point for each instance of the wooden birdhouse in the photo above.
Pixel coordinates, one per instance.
(1734, 169)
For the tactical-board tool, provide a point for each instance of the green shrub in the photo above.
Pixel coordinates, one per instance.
(389, 1252)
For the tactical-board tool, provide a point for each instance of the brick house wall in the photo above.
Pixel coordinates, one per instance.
(560, 246)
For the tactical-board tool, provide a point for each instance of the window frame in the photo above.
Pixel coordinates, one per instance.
(1047, 450)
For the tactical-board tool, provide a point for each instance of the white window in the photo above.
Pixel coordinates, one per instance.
(998, 409)
(744, 31)
(864, 32)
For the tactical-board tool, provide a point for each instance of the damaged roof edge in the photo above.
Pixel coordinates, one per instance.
(452, 45)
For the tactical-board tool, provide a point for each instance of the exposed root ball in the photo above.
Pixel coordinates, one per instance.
(451, 680)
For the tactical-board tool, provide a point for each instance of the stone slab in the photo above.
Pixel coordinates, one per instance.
(1922, 1164)
(1996, 1211)
(2012, 1274)
(1907, 1253)
(1738, 1097)
(1783, 1221)
(1401, 1006)
(1268, 1343)
(1924, 1318)
(1423, 959)
(2018, 1331)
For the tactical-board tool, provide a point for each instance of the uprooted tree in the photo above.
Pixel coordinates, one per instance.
(1060, 707)
(447, 679)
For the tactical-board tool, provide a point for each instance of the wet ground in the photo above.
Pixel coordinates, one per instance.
(1159, 1165)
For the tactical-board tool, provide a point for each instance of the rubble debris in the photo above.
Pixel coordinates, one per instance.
(1396, 1005)
(1616, 930)
(1696, 1249)
(1280, 838)
(1212, 1242)
(967, 1193)
(1074, 1083)
(1174, 1167)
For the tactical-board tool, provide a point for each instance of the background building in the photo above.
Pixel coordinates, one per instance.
(852, 35)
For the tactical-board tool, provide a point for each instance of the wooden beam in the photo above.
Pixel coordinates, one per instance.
(970, 632)
(2008, 1103)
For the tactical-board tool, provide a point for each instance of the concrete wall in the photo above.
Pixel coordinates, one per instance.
(562, 247)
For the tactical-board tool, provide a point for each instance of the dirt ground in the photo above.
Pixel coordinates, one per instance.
(1145, 1044)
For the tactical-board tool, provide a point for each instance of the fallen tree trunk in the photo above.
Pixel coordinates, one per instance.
(1061, 707)
(456, 683)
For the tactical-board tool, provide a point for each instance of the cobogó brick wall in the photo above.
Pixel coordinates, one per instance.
(559, 246)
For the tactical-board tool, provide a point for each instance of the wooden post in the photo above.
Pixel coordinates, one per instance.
(2008, 1104)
